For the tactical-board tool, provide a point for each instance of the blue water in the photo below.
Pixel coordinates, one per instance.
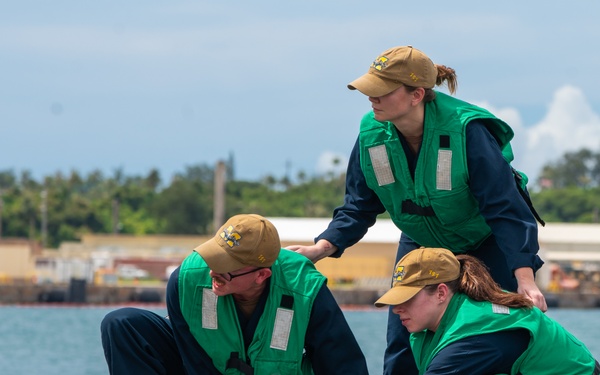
(66, 340)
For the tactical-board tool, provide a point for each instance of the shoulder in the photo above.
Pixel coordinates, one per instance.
(488, 353)
(478, 134)
(173, 278)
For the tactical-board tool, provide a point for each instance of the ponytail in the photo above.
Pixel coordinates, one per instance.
(444, 74)
(448, 75)
(476, 282)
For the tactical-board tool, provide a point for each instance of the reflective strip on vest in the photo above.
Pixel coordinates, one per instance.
(381, 165)
(209, 309)
(443, 178)
(282, 328)
(499, 309)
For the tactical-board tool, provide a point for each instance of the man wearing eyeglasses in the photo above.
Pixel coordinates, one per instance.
(239, 304)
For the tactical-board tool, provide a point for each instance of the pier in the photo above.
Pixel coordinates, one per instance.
(79, 292)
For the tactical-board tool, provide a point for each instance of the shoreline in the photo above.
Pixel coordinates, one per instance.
(80, 295)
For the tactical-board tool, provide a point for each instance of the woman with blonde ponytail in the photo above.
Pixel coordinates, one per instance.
(462, 322)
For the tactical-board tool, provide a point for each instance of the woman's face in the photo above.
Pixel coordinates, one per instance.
(423, 311)
(393, 106)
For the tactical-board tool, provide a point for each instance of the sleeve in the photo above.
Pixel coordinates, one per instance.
(500, 203)
(330, 343)
(360, 209)
(492, 353)
(195, 360)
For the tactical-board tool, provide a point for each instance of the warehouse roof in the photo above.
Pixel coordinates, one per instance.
(384, 230)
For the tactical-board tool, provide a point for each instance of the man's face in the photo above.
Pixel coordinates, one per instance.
(237, 281)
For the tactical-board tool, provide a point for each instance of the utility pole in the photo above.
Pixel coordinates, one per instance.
(1, 207)
(219, 198)
(44, 209)
(115, 215)
(288, 169)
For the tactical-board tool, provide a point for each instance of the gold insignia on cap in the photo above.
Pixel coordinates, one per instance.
(399, 273)
(379, 63)
(230, 236)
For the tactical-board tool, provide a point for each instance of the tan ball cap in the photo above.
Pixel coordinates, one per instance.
(396, 67)
(417, 269)
(244, 240)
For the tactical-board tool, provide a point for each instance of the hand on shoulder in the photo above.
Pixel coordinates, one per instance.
(322, 249)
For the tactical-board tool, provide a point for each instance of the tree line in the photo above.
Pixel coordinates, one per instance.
(63, 207)
(568, 189)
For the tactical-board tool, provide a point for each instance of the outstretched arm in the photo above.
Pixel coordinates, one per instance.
(351, 220)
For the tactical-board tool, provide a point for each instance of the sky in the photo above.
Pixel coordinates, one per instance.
(136, 85)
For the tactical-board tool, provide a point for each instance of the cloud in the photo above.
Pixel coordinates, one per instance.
(569, 125)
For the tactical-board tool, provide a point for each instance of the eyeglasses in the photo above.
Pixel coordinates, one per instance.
(228, 276)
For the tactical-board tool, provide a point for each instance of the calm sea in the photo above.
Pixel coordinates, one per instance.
(66, 340)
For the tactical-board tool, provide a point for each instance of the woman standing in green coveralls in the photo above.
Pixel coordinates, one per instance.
(461, 322)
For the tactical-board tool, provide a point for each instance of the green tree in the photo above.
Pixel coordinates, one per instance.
(7, 180)
(185, 206)
(569, 205)
(578, 169)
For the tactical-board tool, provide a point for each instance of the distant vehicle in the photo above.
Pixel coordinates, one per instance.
(129, 271)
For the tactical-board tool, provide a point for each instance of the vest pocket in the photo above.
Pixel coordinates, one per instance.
(462, 226)
(276, 367)
(456, 207)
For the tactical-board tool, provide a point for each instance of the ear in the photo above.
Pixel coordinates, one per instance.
(443, 292)
(263, 274)
(418, 95)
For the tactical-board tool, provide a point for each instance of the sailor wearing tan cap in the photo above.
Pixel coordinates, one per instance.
(239, 304)
(463, 323)
(439, 166)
